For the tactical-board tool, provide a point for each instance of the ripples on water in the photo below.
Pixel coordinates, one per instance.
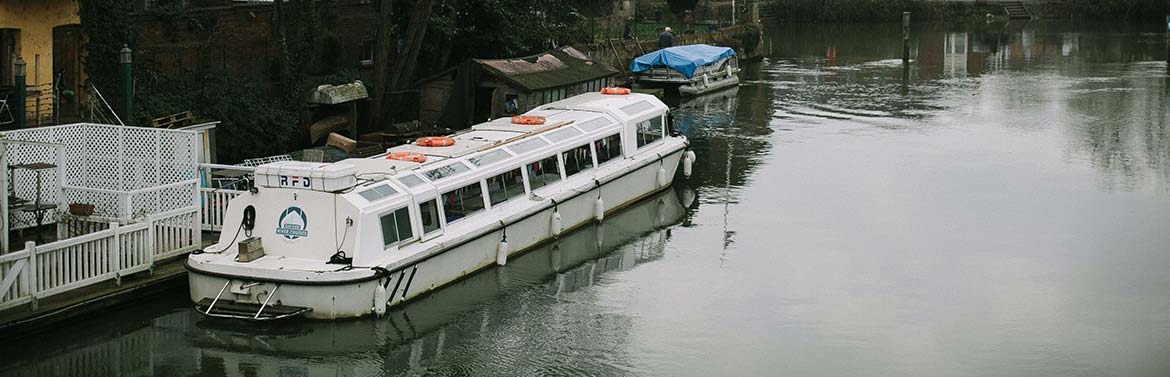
(1001, 211)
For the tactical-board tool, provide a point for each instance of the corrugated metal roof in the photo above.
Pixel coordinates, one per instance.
(547, 70)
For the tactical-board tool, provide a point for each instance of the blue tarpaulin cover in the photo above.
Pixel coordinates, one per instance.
(685, 59)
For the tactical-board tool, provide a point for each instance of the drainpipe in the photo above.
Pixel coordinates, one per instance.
(20, 106)
(124, 57)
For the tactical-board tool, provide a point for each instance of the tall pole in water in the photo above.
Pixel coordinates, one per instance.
(20, 106)
(124, 57)
(905, 52)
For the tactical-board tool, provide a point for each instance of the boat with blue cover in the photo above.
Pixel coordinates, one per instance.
(693, 69)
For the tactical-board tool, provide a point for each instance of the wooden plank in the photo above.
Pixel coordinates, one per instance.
(341, 142)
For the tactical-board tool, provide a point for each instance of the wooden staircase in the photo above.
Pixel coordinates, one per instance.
(1016, 10)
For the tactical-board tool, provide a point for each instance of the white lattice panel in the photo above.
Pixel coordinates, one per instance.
(131, 161)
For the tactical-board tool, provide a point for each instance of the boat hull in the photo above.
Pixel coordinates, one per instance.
(388, 288)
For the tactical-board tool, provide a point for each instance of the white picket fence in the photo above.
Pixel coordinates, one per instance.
(40, 271)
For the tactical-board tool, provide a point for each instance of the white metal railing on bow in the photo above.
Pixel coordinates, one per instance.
(228, 182)
(215, 202)
(40, 271)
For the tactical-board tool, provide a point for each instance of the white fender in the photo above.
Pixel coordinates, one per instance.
(661, 175)
(555, 227)
(688, 163)
(688, 197)
(599, 209)
(600, 235)
(502, 252)
(380, 300)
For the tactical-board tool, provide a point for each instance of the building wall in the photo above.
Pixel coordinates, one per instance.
(238, 37)
(36, 20)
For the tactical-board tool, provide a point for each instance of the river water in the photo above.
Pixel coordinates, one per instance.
(1003, 210)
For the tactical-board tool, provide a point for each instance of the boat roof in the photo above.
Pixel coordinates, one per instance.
(564, 119)
(685, 59)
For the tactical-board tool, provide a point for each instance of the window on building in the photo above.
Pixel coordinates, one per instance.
(396, 227)
(542, 173)
(429, 211)
(366, 53)
(463, 201)
(505, 186)
(649, 131)
(608, 148)
(577, 159)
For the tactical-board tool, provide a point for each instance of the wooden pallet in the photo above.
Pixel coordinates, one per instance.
(174, 120)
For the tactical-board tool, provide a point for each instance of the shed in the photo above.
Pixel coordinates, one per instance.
(483, 89)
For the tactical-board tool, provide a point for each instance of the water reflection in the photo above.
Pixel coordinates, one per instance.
(439, 332)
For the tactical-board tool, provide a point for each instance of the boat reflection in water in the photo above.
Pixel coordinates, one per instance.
(170, 341)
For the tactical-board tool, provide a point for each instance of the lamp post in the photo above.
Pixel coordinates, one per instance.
(21, 93)
(125, 57)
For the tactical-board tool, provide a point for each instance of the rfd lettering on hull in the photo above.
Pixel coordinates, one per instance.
(295, 181)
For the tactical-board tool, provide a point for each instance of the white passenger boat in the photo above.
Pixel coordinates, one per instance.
(693, 69)
(355, 237)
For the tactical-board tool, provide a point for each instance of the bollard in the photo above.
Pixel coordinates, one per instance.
(124, 57)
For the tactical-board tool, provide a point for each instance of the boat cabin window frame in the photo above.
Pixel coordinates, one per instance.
(522, 189)
(661, 135)
(482, 197)
(395, 215)
(528, 172)
(440, 223)
(608, 157)
(564, 159)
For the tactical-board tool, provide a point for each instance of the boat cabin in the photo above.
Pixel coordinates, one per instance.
(372, 209)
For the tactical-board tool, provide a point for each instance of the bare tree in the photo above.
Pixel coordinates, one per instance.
(382, 48)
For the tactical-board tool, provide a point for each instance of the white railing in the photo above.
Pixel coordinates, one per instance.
(40, 271)
(126, 206)
(214, 201)
(214, 204)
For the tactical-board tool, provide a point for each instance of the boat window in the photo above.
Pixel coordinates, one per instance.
(489, 158)
(542, 173)
(411, 180)
(649, 131)
(505, 186)
(637, 108)
(608, 148)
(577, 159)
(565, 133)
(527, 145)
(377, 193)
(445, 171)
(429, 212)
(396, 227)
(463, 201)
(594, 124)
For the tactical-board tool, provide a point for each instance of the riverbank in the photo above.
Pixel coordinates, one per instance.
(934, 10)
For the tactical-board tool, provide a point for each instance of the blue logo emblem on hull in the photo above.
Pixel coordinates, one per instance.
(292, 224)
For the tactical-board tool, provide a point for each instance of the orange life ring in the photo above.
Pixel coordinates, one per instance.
(407, 156)
(530, 120)
(435, 141)
(615, 90)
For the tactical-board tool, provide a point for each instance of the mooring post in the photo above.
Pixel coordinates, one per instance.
(124, 57)
(905, 53)
(20, 105)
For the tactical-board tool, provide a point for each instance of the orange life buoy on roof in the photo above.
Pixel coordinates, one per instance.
(435, 141)
(530, 120)
(615, 90)
(407, 156)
